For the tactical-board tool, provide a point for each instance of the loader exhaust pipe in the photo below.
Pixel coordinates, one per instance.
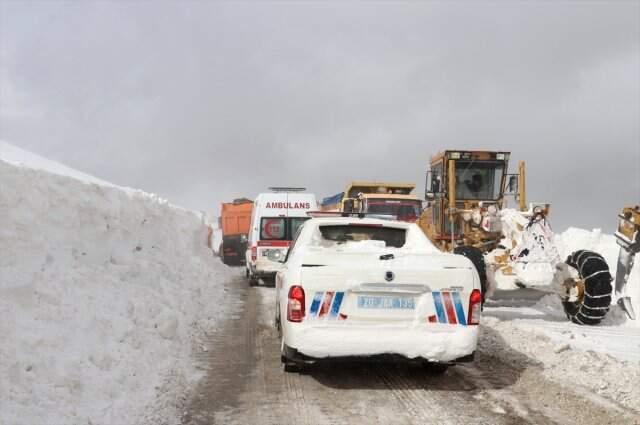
(522, 187)
(452, 200)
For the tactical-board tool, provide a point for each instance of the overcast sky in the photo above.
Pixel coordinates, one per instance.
(202, 102)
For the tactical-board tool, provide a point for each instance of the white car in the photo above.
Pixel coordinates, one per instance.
(360, 287)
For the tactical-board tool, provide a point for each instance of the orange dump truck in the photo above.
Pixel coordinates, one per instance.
(235, 221)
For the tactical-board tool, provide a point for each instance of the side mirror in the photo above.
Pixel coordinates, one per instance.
(432, 186)
(435, 185)
(513, 184)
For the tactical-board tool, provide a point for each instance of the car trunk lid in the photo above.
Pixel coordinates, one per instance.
(386, 286)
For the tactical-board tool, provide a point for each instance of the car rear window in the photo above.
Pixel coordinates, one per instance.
(392, 237)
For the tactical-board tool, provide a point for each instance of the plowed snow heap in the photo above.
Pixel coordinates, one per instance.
(100, 288)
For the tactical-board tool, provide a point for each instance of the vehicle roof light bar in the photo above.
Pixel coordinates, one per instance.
(287, 189)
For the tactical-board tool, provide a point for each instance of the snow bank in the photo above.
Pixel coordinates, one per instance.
(603, 359)
(17, 156)
(102, 292)
(564, 359)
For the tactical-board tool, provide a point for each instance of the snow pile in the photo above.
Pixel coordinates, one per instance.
(562, 358)
(603, 359)
(17, 156)
(574, 239)
(102, 292)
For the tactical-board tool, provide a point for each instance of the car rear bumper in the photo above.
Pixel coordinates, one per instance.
(432, 342)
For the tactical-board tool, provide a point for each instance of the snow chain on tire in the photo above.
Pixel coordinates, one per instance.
(477, 258)
(594, 273)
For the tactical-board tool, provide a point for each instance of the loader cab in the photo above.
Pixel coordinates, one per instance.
(477, 177)
(459, 181)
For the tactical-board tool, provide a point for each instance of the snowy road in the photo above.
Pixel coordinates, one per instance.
(243, 383)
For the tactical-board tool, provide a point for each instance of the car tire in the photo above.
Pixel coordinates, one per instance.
(253, 281)
(291, 367)
(477, 258)
(435, 369)
(277, 321)
(596, 300)
(288, 365)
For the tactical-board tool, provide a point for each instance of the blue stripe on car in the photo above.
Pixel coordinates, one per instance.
(335, 307)
(437, 299)
(315, 304)
(459, 309)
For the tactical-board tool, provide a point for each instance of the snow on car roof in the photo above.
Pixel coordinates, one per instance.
(357, 220)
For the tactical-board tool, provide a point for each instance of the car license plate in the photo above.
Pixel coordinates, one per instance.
(387, 303)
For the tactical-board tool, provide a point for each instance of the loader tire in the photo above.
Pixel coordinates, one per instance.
(595, 275)
(477, 258)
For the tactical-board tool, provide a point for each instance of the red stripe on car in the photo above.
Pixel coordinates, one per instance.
(448, 305)
(326, 304)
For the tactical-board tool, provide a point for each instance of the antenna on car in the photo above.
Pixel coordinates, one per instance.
(287, 189)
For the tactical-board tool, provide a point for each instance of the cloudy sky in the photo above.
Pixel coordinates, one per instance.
(203, 101)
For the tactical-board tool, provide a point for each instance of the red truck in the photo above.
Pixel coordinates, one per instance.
(235, 221)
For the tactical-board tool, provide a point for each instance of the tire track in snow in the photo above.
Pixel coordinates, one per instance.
(535, 399)
(227, 363)
(415, 403)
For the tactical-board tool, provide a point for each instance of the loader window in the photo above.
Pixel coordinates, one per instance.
(437, 176)
(392, 237)
(478, 180)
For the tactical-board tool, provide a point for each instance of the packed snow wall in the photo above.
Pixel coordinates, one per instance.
(101, 292)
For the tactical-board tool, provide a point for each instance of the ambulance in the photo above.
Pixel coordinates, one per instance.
(276, 217)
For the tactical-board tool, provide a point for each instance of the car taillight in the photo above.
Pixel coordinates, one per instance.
(295, 306)
(475, 307)
(254, 253)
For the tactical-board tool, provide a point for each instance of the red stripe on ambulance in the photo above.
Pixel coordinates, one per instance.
(274, 243)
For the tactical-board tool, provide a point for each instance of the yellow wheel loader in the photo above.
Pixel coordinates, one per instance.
(467, 213)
